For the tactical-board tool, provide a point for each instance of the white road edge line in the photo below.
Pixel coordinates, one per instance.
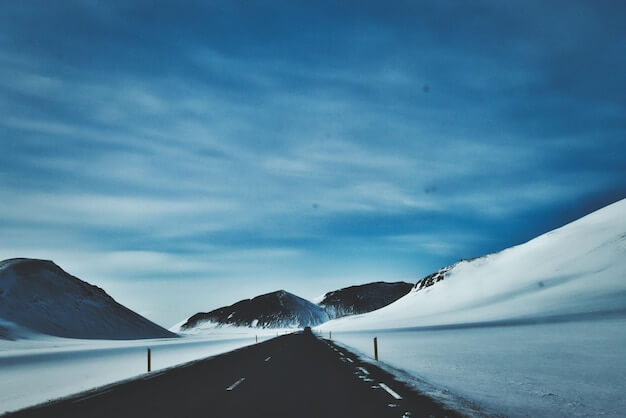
(84, 398)
(390, 391)
(268, 359)
(363, 370)
(234, 385)
(152, 375)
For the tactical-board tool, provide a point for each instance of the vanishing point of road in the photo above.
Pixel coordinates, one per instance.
(296, 375)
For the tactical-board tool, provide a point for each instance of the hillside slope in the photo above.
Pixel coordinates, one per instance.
(578, 269)
(37, 296)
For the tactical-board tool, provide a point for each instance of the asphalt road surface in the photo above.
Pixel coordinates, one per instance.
(296, 375)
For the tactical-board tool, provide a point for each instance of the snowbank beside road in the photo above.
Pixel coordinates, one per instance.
(35, 371)
(566, 369)
(534, 330)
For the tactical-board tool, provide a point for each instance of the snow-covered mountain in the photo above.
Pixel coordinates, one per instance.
(576, 270)
(278, 309)
(362, 298)
(38, 297)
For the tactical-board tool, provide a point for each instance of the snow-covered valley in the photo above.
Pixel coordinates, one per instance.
(533, 330)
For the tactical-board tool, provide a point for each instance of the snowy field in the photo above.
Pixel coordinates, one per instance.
(34, 371)
(561, 369)
(534, 330)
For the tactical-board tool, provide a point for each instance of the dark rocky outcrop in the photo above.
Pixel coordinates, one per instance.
(363, 298)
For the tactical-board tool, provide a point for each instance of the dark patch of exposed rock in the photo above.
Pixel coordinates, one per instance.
(363, 298)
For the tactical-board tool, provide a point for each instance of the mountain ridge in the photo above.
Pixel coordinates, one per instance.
(261, 312)
(278, 309)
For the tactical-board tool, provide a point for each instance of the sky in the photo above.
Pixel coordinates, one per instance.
(186, 155)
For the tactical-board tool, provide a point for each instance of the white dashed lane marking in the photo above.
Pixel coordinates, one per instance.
(363, 370)
(234, 385)
(390, 391)
(268, 359)
(349, 359)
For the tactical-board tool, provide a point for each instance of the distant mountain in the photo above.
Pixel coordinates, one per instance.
(38, 297)
(278, 309)
(363, 298)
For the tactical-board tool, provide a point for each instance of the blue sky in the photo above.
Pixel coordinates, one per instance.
(185, 156)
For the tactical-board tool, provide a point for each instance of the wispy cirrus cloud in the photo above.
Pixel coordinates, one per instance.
(316, 145)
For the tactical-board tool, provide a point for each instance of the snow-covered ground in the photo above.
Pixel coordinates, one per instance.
(564, 369)
(534, 330)
(579, 268)
(43, 368)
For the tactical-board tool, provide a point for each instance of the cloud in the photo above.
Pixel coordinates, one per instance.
(302, 146)
(442, 244)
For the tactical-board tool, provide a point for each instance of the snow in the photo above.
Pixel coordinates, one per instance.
(534, 330)
(541, 370)
(215, 329)
(45, 368)
(11, 331)
(316, 300)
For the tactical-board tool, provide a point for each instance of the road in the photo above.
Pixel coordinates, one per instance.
(296, 375)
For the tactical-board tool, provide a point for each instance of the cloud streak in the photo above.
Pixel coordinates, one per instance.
(311, 147)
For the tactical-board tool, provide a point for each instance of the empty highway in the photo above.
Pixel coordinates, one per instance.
(296, 375)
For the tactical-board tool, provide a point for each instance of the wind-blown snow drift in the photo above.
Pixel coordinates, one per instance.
(579, 269)
(37, 296)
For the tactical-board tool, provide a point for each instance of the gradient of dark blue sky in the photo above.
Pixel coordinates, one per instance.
(184, 156)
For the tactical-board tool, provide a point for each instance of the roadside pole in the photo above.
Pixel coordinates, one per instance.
(376, 348)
